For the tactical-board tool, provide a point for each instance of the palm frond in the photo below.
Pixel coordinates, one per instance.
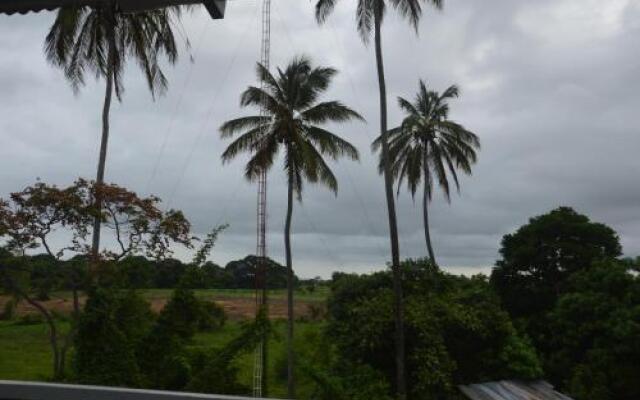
(80, 38)
(317, 170)
(254, 96)
(323, 9)
(331, 144)
(233, 126)
(247, 142)
(262, 159)
(330, 111)
(365, 14)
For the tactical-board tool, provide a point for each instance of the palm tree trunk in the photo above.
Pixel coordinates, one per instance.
(287, 247)
(425, 207)
(95, 245)
(393, 224)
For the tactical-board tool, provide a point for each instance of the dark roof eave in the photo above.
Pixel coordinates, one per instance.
(215, 7)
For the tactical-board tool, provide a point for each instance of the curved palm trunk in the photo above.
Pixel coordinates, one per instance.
(393, 224)
(95, 245)
(287, 246)
(425, 207)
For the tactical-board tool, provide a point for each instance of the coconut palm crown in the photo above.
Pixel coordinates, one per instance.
(292, 122)
(429, 147)
(366, 10)
(79, 42)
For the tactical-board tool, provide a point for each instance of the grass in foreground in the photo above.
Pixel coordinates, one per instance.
(25, 353)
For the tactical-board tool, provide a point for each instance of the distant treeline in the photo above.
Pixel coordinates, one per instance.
(49, 274)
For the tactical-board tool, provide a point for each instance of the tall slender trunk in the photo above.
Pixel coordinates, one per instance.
(425, 205)
(104, 142)
(393, 224)
(76, 302)
(291, 392)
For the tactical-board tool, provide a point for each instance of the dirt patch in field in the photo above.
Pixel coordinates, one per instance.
(235, 307)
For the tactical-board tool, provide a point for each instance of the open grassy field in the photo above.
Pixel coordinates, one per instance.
(25, 353)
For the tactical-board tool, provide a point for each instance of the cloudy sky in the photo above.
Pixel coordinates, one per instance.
(551, 87)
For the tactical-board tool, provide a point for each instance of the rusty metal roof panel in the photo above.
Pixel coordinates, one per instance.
(215, 7)
(512, 390)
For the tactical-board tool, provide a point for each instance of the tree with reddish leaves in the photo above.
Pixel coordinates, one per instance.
(41, 214)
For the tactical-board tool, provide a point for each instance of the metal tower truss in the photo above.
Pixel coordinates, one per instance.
(260, 361)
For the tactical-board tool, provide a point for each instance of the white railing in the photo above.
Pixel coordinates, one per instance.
(18, 390)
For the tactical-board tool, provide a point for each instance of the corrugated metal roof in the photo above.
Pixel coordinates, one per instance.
(215, 7)
(512, 390)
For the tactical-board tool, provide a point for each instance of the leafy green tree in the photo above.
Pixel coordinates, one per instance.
(36, 213)
(98, 40)
(215, 276)
(162, 355)
(138, 272)
(168, 273)
(538, 258)
(192, 278)
(292, 122)
(457, 332)
(242, 273)
(428, 146)
(109, 331)
(369, 17)
(594, 353)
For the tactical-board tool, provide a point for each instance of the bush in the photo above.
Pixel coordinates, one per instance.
(104, 354)
(212, 316)
(182, 314)
(30, 319)
(162, 354)
(9, 310)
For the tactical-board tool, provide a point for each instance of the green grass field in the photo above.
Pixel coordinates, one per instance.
(25, 353)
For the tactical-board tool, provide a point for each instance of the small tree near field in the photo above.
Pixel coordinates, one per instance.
(32, 218)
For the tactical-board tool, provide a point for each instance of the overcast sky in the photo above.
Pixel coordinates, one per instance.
(550, 86)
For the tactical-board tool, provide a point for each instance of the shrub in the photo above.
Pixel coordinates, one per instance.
(212, 316)
(162, 354)
(8, 310)
(30, 319)
(105, 353)
(181, 315)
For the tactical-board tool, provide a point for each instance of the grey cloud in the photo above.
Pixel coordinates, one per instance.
(550, 86)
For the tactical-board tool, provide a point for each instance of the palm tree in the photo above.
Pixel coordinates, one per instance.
(369, 16)
(291, 120)
(98, 40)
(427, 145)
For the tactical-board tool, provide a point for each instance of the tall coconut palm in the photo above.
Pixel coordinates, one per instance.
(429, 145)
(98, 40)
(369, 17)
(292, 122)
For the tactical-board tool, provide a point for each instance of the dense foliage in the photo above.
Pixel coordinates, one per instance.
(120, 342)
(137, 272)
(538, 258)
(456, 330)
(595, 352)
(560, 280)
